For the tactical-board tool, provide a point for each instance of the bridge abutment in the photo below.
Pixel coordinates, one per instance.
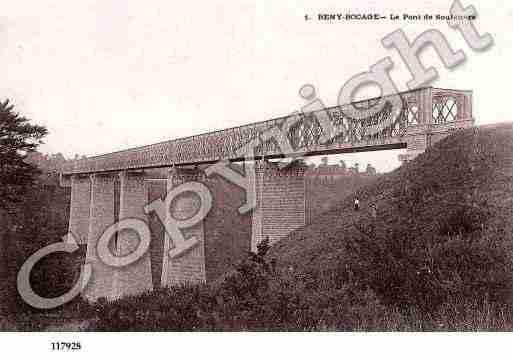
(433, 114)
(416, 144)
(224, 236)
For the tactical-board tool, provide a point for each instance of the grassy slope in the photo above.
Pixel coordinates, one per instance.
(475, 166)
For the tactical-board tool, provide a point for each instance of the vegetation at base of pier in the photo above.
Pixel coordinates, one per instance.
(437, 256)
(258, 296)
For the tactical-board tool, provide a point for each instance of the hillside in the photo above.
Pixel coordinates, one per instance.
(438, 255)
(319, 192)
(465, 180)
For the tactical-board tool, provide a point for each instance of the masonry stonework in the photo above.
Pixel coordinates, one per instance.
(80, 208)
(280, 201)
(156, 190)
(101, 217)
(428, 115)
(227, 232)
(135, 278)
(188, 267)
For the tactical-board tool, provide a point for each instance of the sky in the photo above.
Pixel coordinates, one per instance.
(109, 75)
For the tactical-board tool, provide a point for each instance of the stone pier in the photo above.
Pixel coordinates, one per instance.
(280, 201)
(135, 278)
(427, 116)
(80, 208)
(189, 266)
(101, 217)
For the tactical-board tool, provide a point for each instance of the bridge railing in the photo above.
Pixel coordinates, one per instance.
(424, 109)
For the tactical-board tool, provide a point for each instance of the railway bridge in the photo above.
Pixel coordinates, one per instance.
(110, 187)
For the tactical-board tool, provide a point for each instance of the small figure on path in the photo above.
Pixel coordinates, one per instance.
(356, 204)
(373, 210)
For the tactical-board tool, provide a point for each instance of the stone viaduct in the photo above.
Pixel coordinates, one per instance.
(111, 187)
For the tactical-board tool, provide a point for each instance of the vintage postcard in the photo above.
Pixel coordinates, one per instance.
(208, 177)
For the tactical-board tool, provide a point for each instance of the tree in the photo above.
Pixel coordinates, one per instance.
(18, 138)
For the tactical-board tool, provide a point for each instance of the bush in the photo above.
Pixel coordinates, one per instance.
(460, 219)
(252, 297)
(408, 267)
(39, 219)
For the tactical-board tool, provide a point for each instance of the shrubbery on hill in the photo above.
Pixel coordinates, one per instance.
(438, 255)
(252, 297)
(410, 268)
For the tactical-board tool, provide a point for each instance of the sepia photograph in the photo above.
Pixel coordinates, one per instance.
(292, 177)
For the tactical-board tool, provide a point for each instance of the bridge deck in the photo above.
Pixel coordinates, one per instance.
(425, 110)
